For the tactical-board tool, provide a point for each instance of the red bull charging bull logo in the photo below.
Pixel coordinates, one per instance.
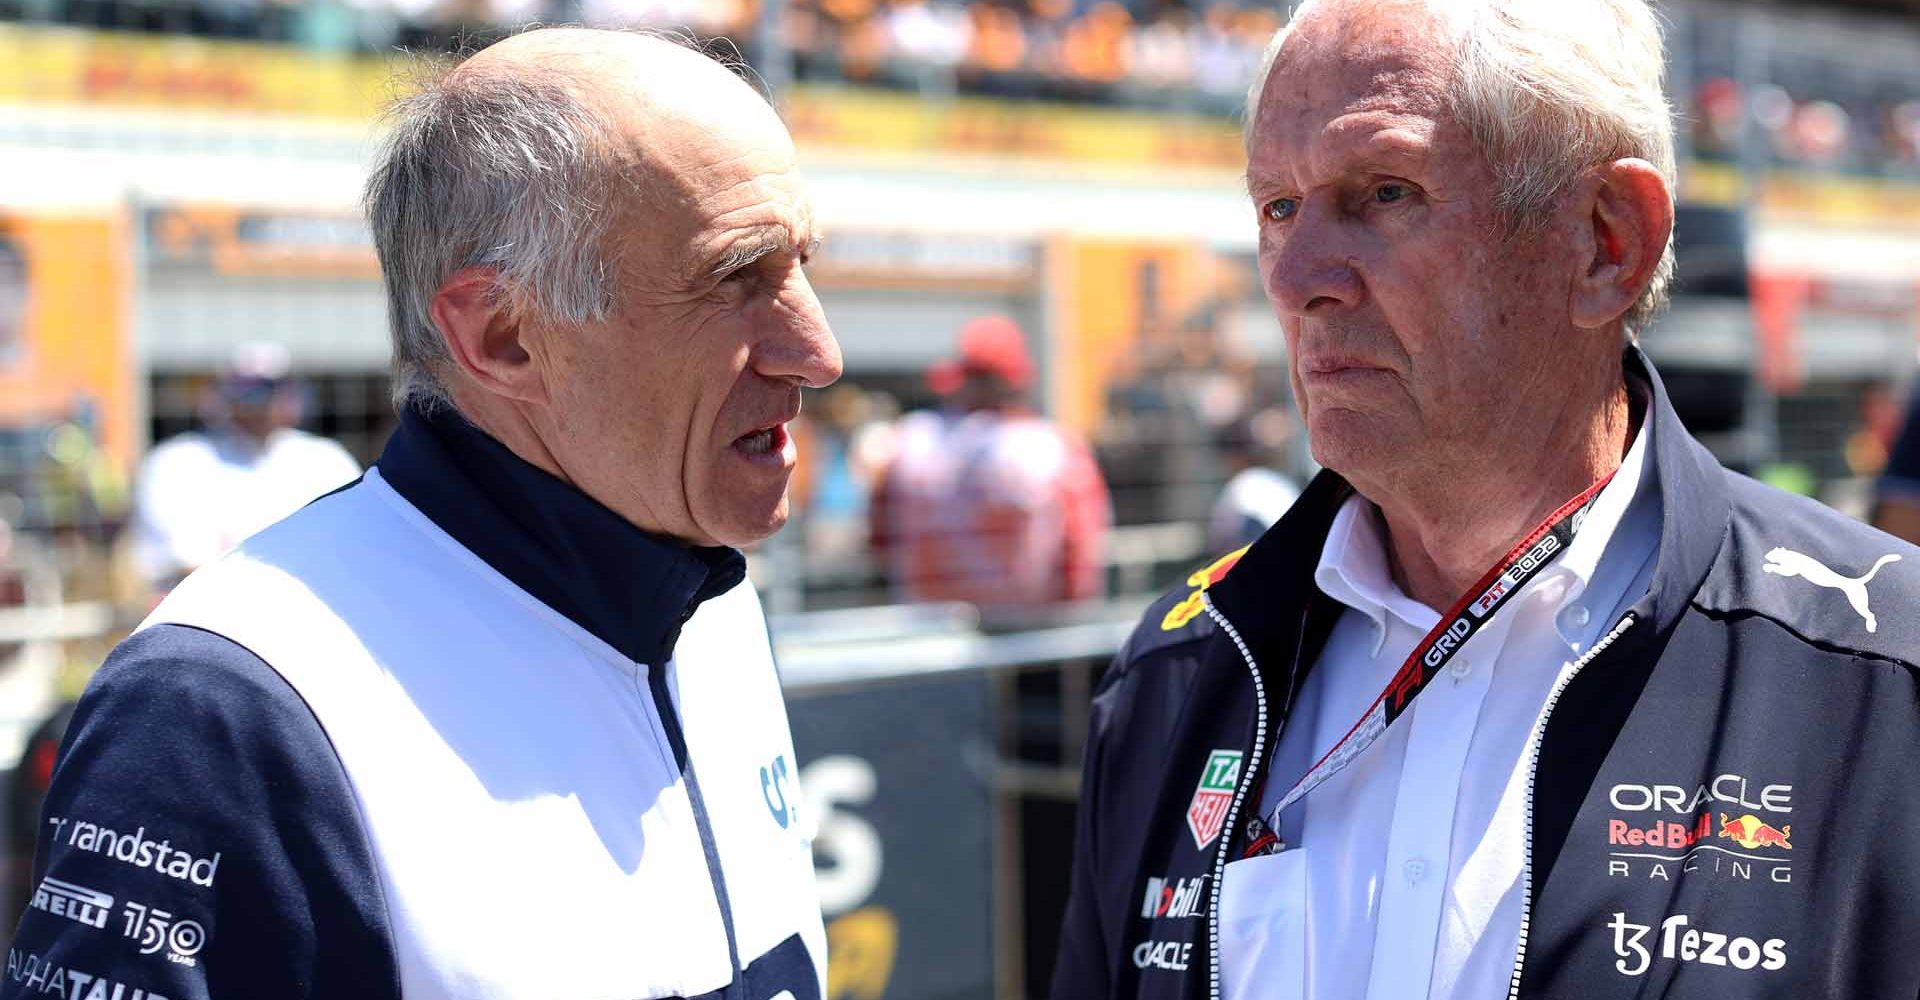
(1189, 609)
(1749, 832)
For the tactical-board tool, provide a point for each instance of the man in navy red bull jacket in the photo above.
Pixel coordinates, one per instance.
(1526, 696)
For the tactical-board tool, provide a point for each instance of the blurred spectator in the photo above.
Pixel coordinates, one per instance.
(1256, 495)
(987, 502)
(199, 493)
(1717, 115)
(848, 444)
(1896, 508)
(1901, 131)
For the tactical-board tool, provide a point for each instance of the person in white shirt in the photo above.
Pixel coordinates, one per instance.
(1255, 494)
(198, 494)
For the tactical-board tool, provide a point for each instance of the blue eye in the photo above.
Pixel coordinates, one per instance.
(1387, 194)
(1281, 209)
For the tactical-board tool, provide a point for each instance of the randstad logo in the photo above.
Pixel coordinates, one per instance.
(135, 849)
(1681, 943)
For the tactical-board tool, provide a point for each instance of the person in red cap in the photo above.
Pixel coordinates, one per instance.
(986, 501)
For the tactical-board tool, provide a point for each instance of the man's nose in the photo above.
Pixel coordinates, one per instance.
(802, 347)
(1310, 267)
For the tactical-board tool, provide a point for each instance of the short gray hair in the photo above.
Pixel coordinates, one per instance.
(495, 170)
(1548, 89)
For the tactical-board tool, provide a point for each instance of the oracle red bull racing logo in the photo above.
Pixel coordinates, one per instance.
(1735, 843)
(1207, 813)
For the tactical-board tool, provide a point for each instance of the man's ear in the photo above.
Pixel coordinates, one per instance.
(1625, 221)
(485, 337)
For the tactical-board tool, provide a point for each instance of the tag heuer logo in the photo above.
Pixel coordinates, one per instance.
(1208, 811)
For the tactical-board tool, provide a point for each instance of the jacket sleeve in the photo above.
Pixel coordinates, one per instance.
(199, 841)
(1081, 970)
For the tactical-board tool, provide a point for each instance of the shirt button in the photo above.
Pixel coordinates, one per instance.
(1415, 869)
(1577, 615)
(1460, 668)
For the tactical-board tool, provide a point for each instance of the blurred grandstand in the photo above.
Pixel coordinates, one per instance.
(181, 176)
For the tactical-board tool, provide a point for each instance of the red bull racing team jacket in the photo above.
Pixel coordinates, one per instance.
(1725, 794)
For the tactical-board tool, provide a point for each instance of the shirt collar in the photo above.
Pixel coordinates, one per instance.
(1354, 570)
(631, 589)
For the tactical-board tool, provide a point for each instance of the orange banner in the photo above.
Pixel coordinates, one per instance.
(64, 304)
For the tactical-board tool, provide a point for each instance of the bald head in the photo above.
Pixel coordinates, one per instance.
(593, 244)
(644, 82)
(520, 157)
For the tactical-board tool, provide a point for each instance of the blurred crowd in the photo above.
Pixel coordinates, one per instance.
(1870, 128)
(1860, 116)
(1190, 58)
(976, 497)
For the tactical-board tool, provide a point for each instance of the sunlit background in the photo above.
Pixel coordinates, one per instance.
(178, 178)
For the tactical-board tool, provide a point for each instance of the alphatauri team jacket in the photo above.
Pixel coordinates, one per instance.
(1724, 799)
(453, 732)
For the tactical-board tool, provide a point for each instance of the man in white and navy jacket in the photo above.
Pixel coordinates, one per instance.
(500, 720)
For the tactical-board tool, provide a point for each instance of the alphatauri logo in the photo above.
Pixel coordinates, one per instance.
(1786, 562)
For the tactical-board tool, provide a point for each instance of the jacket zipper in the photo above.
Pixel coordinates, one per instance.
(1533, 773)
(1239, 796)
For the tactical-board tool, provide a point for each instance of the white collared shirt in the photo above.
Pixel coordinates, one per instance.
(1407, 877)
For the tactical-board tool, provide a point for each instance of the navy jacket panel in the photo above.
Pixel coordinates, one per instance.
(200, 840)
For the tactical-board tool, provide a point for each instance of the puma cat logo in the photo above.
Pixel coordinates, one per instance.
(1786, 562)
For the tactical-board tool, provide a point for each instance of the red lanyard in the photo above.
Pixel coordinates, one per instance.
(1474, 609)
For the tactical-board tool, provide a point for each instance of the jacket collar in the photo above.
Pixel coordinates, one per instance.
(631, 589)
(1276, 574)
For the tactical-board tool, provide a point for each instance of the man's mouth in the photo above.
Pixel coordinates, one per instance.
(762, 442)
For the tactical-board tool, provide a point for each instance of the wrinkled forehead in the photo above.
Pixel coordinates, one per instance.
(1384, 62)
(714, 180)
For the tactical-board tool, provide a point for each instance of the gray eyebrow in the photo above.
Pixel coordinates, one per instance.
(749, 250)
(746, 252)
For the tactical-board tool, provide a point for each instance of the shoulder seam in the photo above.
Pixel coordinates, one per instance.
(1723, 614)
(340, 768)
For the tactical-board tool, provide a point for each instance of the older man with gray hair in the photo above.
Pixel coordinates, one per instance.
(1526, 696)
(499, 720)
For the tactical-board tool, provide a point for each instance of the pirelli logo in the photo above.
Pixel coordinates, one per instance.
(74, 902)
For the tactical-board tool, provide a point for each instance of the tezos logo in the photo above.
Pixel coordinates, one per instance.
(1678, 942)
